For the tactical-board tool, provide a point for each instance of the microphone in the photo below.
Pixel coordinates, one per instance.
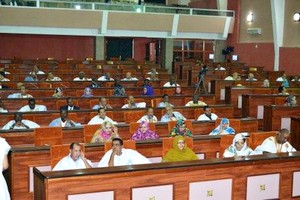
(34, 85)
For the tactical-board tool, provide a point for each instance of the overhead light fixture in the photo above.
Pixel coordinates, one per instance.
(297, 17)
(250, 17)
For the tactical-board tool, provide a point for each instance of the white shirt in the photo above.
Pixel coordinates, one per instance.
(4, 193)
(19, 95)
(98, 120)
(270, 145)
(103, 78)
(37, 108)
(221, 68)
(203, 117)
(254, 79)
(3, 110)
(128, 157)
(130, 79)
(28, 123)
(229, 78)
(145, 118)
(138, 105)
(84, 79)
(167, 84)
(67, 163)
(55, 78)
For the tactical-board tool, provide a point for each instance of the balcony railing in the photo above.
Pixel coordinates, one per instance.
(125, 6)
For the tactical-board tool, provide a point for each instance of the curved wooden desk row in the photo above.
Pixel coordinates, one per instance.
(118, 115)
(104, 91)
(69, 135)
(22, 159)
(114, 101)
(259, 177)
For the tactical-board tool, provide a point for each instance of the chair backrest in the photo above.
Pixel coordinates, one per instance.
(155, 102)
(168, 144)
(133, 126)
(47, 136)
(169, 91)
(62, 102)
(225, 142)
(128, 144)
(88, 132)
(172, 124)
(280, 100)
(45, 85)
(234, 123)
(258, 137)
(93, 102)
(57, 152)
(133, 115)
(200, 111)
(109, 92)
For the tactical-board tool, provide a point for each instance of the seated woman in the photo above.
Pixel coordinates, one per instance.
(107, 132)
(238, 147)
(179, 152)
(291, 100)
(223, 128)
(88, 92)
(180, 129)
(144, 132)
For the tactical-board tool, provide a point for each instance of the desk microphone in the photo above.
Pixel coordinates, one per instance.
(34, 85)
(63, 85)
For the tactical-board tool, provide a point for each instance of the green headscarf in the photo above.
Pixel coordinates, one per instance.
(175, 131)
(175, 154)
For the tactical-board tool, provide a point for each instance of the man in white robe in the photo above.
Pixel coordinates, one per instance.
(19, 123)
(276, 144)
(119, 156)
(171, 115)
(207, 115)
(101, 117)
(74, 160)
(33, 107)
(131, 103)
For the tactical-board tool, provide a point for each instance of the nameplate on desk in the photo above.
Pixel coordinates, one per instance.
(109, 195)
(296, 184)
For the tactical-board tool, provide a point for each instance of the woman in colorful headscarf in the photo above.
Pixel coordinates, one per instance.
(180, 129)
(223, 128)
(179, 152)
(88, 92)
(238, 147)
(144, 132)
(58, 93)
(107, 132)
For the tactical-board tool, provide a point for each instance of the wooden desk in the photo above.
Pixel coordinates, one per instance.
(273, 115)
(22, 159)
(295, 132)
(122, 180)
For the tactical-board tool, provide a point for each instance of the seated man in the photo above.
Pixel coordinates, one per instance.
(235, 77)
(102, 104)
(291, 100)
(276, 144)
(131, 103)
(106, 77)
(101, 117)
(32, 107)
(2, 107)
(219, 67)
(63, 120)
(51, 77)
(282, 91)
(165, 101)
(31, 77)
(3, 86)
(149, 117)
(128, 77)
(284, 80)
(171, 115)
(81, 77)
(251, 77)
(207, 115)
(119, 156)
(70, 105)
(2, 76)
(22, 94)
(195, 101)
(75, 160)
(94, 84)
(119, 90)
(36, 70)
(19, 123)
(152, 71)
(172, 82)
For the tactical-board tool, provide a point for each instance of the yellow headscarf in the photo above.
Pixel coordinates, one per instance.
(175, 154)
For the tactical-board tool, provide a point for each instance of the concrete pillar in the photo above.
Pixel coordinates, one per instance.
(167, 54)
(220, 45)
(99, 48)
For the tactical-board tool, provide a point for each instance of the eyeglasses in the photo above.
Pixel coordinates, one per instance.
(116, 144)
